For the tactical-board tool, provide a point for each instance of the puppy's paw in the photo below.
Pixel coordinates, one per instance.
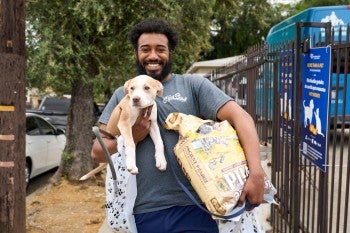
(161, 163)
(131, 167)
(133, 170)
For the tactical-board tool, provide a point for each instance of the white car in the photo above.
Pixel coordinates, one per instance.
(44, 146)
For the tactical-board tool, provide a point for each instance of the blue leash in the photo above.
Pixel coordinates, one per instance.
(237, 211)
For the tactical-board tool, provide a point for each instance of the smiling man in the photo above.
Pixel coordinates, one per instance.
(153, 50)
(161, 205)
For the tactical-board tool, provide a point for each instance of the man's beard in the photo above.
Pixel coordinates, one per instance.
(165, 71)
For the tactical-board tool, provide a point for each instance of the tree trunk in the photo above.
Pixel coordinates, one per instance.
(76, 160)
(12, 117)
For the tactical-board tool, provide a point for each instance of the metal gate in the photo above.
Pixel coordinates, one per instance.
(310, 200)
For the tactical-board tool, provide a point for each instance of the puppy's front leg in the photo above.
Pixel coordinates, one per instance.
(130, 148)
(159, 147)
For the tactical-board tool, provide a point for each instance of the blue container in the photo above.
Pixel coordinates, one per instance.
(285, 31)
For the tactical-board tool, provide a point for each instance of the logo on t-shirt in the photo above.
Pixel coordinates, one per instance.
(175, 97)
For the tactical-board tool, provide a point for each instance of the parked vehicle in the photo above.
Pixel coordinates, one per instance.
(56, 110)
(44, 146)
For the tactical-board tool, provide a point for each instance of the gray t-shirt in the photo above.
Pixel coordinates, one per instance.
(189, 94)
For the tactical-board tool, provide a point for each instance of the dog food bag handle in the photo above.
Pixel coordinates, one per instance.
(96, 131)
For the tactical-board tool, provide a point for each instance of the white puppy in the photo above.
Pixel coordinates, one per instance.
(140, 92)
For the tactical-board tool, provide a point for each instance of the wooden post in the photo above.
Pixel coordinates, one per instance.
(12, 116)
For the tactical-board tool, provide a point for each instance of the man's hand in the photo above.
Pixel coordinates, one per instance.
(253, 190)
(142, 125)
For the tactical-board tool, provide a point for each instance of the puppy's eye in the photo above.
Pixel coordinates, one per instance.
(146, 88)
(132, 88)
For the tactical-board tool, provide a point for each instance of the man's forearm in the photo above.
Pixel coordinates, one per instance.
(250, 143)
(97, 153)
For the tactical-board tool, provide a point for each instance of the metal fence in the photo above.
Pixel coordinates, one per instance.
(310, 200)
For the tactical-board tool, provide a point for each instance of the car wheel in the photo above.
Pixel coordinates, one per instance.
(27, 173)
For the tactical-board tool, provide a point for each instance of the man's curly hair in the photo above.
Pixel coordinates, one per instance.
(153, 25)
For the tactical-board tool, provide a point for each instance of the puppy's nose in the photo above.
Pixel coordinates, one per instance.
(136, 100)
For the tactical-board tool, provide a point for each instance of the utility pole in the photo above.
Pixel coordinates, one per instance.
(12, 116)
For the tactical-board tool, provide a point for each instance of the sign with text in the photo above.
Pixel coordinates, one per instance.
(315, 80)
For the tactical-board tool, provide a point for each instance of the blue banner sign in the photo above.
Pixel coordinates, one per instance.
(315, 80)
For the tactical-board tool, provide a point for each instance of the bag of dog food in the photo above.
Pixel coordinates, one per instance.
(213, 160)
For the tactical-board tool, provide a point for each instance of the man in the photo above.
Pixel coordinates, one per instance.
(161, 205)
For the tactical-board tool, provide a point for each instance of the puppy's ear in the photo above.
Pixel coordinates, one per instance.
(126, 87)
(159, 87)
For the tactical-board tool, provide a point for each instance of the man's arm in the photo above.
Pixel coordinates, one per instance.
(97, 154)
(248, 137)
